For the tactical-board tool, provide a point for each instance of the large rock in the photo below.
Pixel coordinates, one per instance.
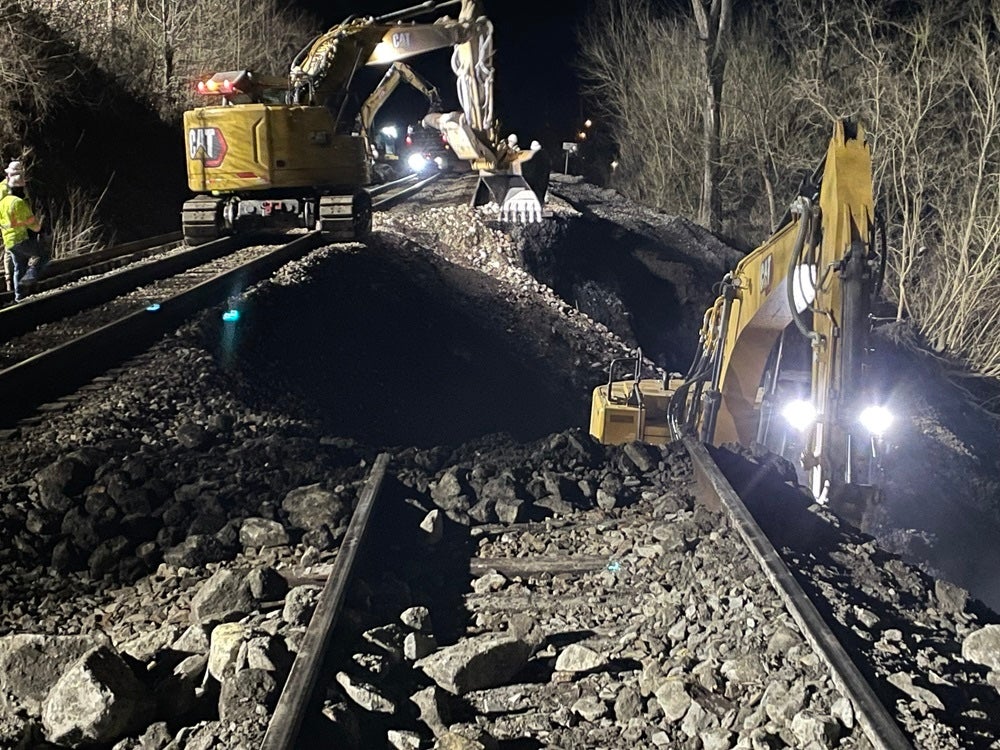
(434, 711)
(262, 532)
(31, 664)
(365, 695)
(310, 507)
(96, 701)
(578, 658)
(452, 491)
(62, 480)
(223, 597)
(476, 663)
(227, 640)
(248, 697)
(983, 647)
(195, 551)
(674, 700)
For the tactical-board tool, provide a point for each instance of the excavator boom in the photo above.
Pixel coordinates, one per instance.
(812, 279)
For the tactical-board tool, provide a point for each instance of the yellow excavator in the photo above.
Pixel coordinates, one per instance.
(396, 74)
(266, 157)
(386, 160)
(781, 359)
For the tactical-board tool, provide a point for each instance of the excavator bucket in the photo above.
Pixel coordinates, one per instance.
(512, 193)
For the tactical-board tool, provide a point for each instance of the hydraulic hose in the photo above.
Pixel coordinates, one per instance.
(802, 206)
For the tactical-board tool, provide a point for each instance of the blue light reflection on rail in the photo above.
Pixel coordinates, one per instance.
(231, 316)
(153, 307)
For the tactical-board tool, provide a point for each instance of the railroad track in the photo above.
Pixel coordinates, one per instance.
(518, 585)
(114, 323)
(80, 326)
(63, 271)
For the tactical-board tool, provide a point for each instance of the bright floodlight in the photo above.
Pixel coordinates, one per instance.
(416, 162)
(877, 420)
(800, 414)
(390, 132)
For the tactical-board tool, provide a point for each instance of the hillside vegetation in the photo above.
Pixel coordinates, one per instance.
(92, 95)
(922, 77)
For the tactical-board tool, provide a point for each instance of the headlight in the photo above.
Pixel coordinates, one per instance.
(416, 162)
(800, 414)
(876, 419)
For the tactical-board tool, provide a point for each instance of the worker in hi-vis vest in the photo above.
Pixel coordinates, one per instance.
(17, 220)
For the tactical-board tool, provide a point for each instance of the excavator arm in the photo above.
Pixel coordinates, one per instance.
(816, 272)
(396, 73)
(814, 278)
(324, 70)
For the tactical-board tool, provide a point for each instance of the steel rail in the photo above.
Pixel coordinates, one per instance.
(378, 189)
(283, 730)
(28, 384)
(391, 200)
(878, 725)
(25, 316)
(70, 268)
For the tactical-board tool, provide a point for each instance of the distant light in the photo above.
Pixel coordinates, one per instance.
(582, 135)
(614, 164)
(877, 420)
(231, 316)
(588, 123)
(800, 414)
(390, 131)
(416, 162)
(153, 307)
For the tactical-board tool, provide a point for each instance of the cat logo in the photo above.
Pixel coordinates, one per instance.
(207, 145)
(766, 273)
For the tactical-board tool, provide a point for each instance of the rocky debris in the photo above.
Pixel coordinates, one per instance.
(476, 663)
(95, 701)
(31, 664)
(169, 484)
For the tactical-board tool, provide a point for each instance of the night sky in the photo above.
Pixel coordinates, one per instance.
(536, 87)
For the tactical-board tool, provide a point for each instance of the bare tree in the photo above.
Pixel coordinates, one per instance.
(713, 19)
(652, 103)
(768, 132)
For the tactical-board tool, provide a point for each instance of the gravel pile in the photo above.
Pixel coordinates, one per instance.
(162, 526)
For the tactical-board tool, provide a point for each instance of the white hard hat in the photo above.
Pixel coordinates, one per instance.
(15, 167)
(512, 139)
(535, 145)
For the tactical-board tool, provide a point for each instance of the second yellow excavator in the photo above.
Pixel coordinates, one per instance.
(284, 157)
(782, 351)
